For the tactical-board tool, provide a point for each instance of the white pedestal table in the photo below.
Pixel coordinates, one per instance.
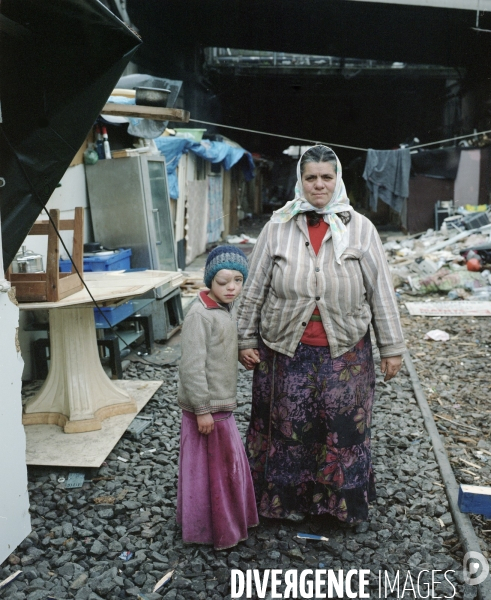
(77, 394)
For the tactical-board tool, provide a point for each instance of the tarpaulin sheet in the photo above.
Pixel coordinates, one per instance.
(59, 62)
(215, 152)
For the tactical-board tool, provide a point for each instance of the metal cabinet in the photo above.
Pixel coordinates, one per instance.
(130, 208)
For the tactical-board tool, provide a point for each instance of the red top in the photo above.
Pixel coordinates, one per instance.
(314, 334)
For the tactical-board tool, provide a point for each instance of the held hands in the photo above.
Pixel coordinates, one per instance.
(390, 366)
(206, 424)
(249, 358)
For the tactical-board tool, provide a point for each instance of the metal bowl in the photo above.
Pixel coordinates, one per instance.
(147, 96)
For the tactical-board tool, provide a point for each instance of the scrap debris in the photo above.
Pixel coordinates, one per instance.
(9, 579)
(312, 536)
(165, 579)
(75, 480)
(437, 335)
(439, 261)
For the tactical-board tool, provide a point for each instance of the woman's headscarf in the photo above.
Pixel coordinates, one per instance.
(338, 203)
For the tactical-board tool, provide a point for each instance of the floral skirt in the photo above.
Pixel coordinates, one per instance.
(308, 441)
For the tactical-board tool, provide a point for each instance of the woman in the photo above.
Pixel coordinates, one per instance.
(318, 277)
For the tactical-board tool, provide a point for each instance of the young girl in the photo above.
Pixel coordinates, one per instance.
(215, 495)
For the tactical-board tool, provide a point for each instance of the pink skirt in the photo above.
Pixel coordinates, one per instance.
(215, 494)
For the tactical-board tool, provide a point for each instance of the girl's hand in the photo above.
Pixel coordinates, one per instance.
(390, 366)
(249, 358)
(206, 424)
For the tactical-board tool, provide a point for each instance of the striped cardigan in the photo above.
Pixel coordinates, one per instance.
(287, 280)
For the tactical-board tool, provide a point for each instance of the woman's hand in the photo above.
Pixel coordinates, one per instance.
(249, 358)
(206, 424)
(390, 366)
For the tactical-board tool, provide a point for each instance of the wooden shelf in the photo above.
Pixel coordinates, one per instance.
(146, 112)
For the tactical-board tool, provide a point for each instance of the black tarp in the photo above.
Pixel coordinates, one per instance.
(59, 62)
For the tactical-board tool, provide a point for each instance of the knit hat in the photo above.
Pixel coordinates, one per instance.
(224, 257)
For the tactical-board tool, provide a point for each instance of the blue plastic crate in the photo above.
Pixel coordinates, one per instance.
(114, 314)
(116, 262)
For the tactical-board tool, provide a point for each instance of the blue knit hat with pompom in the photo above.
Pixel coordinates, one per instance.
(225, 257)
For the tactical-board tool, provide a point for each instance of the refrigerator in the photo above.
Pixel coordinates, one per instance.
(130, 208)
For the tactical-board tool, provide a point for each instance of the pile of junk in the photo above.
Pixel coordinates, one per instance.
(455, 260)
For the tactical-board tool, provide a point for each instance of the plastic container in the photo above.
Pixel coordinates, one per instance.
(195, 134)
(119, 261)
(114, 314)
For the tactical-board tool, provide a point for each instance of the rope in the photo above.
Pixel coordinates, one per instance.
(460, 137)
(286, 137)
(310, 141)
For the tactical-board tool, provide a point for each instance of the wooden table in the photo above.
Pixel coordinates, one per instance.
(77, 394)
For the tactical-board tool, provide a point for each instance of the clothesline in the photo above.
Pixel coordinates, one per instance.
(311, 141)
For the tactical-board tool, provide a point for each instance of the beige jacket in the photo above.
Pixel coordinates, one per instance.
(287, 280)
(208, 367)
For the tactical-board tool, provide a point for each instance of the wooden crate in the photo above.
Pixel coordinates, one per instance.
(52, 285)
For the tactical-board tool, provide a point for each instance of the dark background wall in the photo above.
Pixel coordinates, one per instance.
(366, 109)
(377, 111)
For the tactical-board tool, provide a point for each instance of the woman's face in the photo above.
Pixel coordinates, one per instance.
(319, 182)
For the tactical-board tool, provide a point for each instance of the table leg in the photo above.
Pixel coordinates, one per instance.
(77, 394)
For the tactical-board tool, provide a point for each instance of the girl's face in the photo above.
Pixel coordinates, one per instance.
(319, 182)
(226, 286)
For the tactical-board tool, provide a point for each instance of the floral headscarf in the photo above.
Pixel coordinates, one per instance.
(338, 203)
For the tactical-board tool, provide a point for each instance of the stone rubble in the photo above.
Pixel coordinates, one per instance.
(79, 534)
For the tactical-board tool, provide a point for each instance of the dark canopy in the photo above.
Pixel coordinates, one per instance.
(59, 62)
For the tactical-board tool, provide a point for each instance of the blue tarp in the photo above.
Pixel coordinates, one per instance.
(172, 148)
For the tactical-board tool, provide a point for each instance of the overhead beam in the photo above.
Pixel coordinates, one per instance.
(393, 31)
(482, 5)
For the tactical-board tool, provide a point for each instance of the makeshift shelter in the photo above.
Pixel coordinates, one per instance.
(203, 190)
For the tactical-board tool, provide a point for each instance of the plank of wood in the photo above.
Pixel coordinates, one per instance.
(21, 277)
(42, 227)
(69, 285)
(112, 285)
(146, 112)
(125, 153)
(53, 258)
(475, 499)
(30, 291)
(78, 240)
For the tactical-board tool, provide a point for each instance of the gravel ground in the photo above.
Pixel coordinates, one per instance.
(455, 376)
(78, 535)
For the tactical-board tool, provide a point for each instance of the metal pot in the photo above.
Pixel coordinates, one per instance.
(147, 96)
(27, 261)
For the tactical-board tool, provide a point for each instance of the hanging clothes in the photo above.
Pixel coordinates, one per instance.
(387, 176)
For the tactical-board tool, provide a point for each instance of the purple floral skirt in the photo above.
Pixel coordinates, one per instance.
(308, 441)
